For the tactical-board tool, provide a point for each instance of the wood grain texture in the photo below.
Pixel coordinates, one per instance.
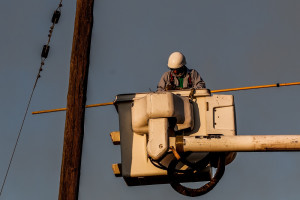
(74, 124)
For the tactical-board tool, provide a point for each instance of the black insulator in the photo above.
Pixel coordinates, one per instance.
(45, 51)
(55, 17)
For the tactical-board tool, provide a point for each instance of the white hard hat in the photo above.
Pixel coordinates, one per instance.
(176, 60)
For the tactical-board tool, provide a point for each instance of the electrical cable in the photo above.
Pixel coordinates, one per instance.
(20, 130)
(216, 160)
(44, 55)
(201, 190)
(158, 164)
(199, 164)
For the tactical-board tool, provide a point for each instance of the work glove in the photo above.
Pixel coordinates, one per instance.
(170, 87)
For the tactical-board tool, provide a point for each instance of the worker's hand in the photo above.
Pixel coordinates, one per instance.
(170, 87)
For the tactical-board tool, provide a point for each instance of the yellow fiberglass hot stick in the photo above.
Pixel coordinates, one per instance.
(212, 91)
(63, 109)
(256, 87)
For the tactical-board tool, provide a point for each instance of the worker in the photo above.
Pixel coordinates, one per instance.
(179, 76)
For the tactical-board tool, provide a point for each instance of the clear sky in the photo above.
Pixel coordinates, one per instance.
(232, 43)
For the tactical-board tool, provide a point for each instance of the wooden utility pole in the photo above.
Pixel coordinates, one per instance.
(74, 125)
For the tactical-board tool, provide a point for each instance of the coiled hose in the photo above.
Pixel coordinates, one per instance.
(196, 167)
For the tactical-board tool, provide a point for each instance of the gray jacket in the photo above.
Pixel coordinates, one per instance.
(197, 81)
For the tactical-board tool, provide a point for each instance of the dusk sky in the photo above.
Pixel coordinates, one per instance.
(231, 43)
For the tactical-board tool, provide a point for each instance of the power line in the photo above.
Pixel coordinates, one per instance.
(44, 55)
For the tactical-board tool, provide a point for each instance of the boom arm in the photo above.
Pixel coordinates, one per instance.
(240, 143)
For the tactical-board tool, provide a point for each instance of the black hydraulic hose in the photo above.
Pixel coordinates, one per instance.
(161, 166)
(157, 164)
(201, 164)
(203, 189)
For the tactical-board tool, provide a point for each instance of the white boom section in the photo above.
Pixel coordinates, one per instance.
(242, 143)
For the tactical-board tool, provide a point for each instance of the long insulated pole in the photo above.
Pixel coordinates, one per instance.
(212, 91)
